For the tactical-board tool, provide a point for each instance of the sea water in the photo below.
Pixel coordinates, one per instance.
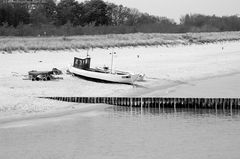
(121, 132)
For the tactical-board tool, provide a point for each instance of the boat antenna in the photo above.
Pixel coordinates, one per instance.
(87, 53)
(112, 53)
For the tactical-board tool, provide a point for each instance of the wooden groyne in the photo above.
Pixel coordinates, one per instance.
(154, 102)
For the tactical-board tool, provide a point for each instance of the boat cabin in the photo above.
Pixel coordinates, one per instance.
(82, 63)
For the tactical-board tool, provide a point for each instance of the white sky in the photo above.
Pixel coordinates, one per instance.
(174, 9)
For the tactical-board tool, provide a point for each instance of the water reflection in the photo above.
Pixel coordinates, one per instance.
(119, 111)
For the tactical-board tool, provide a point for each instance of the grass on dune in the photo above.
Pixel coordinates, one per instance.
(9, 44)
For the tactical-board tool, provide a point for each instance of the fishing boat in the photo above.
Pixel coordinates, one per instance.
(81, 68)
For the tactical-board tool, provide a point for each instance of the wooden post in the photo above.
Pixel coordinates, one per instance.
(138, 102)
(119, 101)
(199, 103)
(142, 102)
(206, 103)
(159, 105)
(135, 102)
(223, 103)
(238, 103)
(163, 103)
(234, 103)
(174, 105)
(149, 102)
(195, 103)
(216, 105)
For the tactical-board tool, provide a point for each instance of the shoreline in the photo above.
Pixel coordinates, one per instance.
(153, 92)
(215, 87)
(77, 109)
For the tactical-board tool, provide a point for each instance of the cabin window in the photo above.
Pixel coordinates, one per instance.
(76, 62)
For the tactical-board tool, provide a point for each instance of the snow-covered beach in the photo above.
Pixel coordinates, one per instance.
(209, 70)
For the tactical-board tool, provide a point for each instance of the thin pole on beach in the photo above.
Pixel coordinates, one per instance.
(112, 53)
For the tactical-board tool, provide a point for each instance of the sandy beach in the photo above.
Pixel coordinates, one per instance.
(210, 70)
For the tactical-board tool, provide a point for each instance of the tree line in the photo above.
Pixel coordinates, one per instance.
(70, 17)
(204, 23)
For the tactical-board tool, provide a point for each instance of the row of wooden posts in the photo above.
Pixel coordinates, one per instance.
(153, 102)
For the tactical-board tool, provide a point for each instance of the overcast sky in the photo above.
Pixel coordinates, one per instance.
(174, 9)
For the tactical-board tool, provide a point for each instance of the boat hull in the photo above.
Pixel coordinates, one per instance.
(103, 77)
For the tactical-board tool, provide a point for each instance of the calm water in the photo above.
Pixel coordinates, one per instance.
(119, 132)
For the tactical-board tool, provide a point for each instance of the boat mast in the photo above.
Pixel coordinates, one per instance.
(87, 53)
(112, 53)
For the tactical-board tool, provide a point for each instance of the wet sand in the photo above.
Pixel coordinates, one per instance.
(227, 86)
